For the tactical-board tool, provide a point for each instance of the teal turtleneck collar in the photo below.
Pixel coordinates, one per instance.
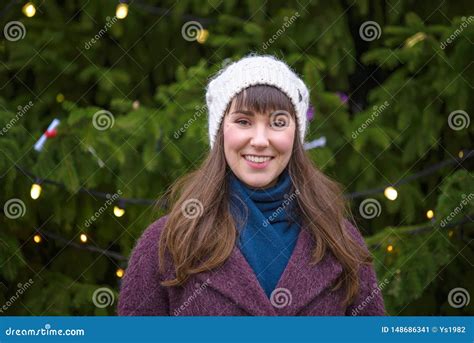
(268, 235)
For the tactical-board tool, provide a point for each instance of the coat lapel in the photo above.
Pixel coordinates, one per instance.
(303, 280)
(236, 280)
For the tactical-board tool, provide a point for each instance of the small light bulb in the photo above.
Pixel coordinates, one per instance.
(390, 248)
(450, 233)
(390, 193)
(430, 214)
(202, 36)
(121, 11)
(83, 238)
(60, 98)
(29, 9)
(37, 239)
(461, 154)
(120, 272)
(118, 211)
(35, 191)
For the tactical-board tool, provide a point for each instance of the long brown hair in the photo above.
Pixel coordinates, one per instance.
(200, 231)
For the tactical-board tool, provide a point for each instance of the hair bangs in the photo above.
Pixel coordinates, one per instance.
(263, 99)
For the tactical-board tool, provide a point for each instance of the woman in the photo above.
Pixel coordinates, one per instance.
(257, 229)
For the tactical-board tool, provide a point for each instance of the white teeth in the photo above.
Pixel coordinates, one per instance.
(256, 158)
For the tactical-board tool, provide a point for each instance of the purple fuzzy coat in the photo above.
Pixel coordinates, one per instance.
(233, 289)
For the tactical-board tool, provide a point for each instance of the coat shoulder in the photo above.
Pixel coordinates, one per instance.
(355, 233)
(369, 301)
(152, 234)
(148, 243)
(140, 289)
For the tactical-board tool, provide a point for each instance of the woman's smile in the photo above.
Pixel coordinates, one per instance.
(258, 162)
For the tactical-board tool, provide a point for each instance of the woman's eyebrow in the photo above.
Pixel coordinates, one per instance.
(247, 112)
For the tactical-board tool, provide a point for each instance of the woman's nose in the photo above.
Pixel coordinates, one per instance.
(260, 137)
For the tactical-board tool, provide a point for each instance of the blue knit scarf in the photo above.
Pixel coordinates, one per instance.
(268, 235)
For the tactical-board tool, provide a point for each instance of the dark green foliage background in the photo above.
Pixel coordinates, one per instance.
(145, 58)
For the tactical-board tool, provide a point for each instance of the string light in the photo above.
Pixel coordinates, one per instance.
(430, 214)
(119, 257)
(121, 11)
(118, 212)
(390, 248)
(35, 191)
(83, 238)
(29, 9)
(120, 272)
(37, 239)
(461, 154)
(60, 98)
(390, 193)
(202, 36)
(119, 209)
(354, 195)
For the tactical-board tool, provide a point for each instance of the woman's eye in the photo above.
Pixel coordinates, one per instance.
(241, 121)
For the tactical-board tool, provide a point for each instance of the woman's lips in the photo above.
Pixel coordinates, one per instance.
(257, 165)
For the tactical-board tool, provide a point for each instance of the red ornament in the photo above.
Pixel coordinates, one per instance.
(51, 133)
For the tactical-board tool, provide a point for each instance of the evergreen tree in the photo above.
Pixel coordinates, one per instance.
(390, 87)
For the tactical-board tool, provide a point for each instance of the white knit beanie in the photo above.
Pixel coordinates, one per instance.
(250, 71)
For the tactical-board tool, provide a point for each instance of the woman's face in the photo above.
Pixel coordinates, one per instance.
(248, 134)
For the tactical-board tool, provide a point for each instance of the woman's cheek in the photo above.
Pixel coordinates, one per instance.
(284, 142)
(234, 136)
